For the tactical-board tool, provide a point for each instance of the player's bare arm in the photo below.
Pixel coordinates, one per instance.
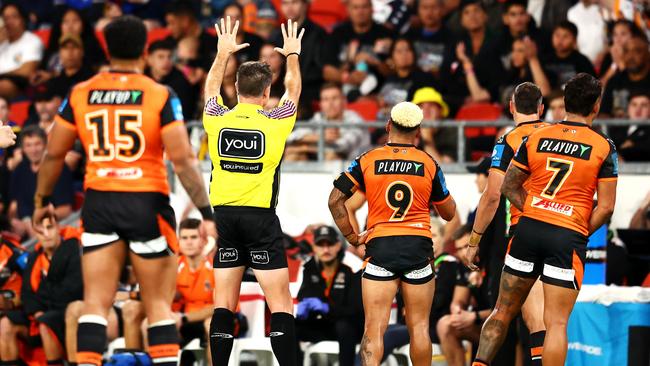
(50, 170)
(186, 167)
(606, 193)
(226, 46)
(487, 207)
(447, 209)
(513, 187)
(341, 217)
(291, 50)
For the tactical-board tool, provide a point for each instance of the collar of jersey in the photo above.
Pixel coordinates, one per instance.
(250, 106)
(529, 122)
(577, 124)
(399, 145)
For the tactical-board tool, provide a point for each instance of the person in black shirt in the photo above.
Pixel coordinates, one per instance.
(565, 61)
(329, 299)
(160, 67)
(635, 77)
(74, 70)
(517, 23)
(312, 54)
(525, 66)
(635, 144)
(432, 38)
(474, 72)
(182, 22)
(252, 52)
(356, 48)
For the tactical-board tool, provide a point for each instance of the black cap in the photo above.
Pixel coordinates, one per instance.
(482, 167)
(326, 233)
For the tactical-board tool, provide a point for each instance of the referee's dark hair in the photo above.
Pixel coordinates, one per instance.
(253, 78)
(581, 94)
(189, 224)
(126, 37)
(527, 98)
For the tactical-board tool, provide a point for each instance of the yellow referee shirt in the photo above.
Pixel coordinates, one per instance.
(246, 146)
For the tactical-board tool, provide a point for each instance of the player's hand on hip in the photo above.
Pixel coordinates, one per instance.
(7, 136)
(39, 215)
(227, 37)
(471, 257)
(292, 39)
(358, 239)
(208, 229)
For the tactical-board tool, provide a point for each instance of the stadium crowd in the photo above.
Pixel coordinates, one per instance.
(359, 59)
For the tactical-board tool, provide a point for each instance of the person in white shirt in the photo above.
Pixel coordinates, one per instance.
(20, 51)
(587, 15)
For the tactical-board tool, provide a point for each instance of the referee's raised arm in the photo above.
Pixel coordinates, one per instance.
(291, 50)
(226, 46)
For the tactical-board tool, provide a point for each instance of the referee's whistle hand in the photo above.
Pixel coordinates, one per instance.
(227, 37)
(292, 39)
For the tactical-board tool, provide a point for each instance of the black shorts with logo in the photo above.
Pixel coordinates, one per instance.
(145, 220)
(249, 236)
(404, 257)
(555, 253)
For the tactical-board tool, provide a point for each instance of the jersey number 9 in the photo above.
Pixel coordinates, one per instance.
(399, 197)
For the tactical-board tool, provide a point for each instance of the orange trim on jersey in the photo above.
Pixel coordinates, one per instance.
(67, 124)
(536, 351)
(170, 125)
(443, 201)
(611, 179)
(496, 170)
(520, 165)
(164, 350)
(578, 268)
(168, 232)
(92, 358)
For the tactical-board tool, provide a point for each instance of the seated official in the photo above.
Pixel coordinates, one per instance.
(52, 280)
(329, 306)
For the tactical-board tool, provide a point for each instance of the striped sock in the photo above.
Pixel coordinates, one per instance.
(91, 340)
(163, 343)
(478, 362)
(537, 347)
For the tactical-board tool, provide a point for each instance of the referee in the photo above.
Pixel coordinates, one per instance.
(246, 146)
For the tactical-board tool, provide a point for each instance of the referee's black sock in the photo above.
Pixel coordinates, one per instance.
(222, 328)
(537, 347)
(283, 338)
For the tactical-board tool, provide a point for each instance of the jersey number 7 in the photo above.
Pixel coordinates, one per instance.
(399, 197)
(561, 169)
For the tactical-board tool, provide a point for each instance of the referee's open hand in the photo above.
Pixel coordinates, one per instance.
(227, 36)
(291, 39)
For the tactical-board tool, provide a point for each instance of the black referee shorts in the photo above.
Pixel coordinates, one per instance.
(250, 237)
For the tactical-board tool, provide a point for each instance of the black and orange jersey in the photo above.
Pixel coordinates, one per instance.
(504, 150)
(119, 118)
(400, 183)
(194, 287)
(565, 162)
(13, 260)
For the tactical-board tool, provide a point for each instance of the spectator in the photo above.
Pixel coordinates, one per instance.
(276, 63)
(267, 20)
(72, 23)
(517, 24)
(111, 11)
(13, 259)
(182, 22)
(432, 38)
(23, 183)
(52, 281)
(556, 110)
(635, 77)
(344, 143)
(621, 32)
(46, 105)
(469, 308)
(524, 66)
(405, 77)
(641, 218)
(74, 69)
(548, 13)
(20, 52)
(312, 53)
(329, 299)
(474, 73)
(356, 50)
(439, 142)
(587, 15)
(160, 67)
(187, 60)
(565, 61)
(636, 145)
(252, 52)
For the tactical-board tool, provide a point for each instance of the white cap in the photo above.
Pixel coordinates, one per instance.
(406, 114)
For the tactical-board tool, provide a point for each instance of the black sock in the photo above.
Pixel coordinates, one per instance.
(10, 363)
(537, 347)
(283, 338)
(222, 327)
(163, 343)
(57, 362)
(91, 339)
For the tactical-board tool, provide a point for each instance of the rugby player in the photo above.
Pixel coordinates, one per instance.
(565, 164)
(246, 146)
(401, 183)
(526, 108)
(125, 121)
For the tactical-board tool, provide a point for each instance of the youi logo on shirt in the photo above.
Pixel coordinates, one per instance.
(242, 144)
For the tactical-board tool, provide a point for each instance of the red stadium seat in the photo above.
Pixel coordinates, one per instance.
(481, 112)
(101, 40)
(157, 34)
(19, 111)
(367, 108)
(44, 35)
(327, 13)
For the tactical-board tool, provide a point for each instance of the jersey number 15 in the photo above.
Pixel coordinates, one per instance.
(125, 143)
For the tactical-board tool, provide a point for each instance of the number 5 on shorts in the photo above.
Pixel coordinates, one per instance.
(399, 197)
